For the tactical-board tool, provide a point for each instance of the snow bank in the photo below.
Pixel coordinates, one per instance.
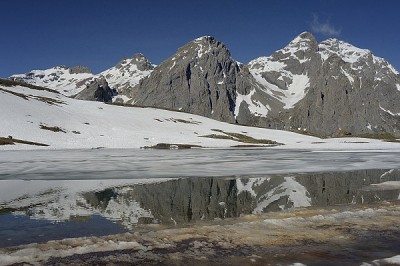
(87, 124)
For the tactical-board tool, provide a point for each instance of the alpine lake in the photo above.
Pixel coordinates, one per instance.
(242, 206)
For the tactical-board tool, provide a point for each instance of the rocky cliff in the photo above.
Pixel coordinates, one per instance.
(201, 78)
(328, 89)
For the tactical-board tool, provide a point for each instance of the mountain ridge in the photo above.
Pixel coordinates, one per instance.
(324, 88)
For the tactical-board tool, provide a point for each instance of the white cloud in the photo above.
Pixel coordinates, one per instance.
(323, 28)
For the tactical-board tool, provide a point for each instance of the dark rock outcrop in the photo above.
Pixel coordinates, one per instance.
(97, 90)
(79, 69)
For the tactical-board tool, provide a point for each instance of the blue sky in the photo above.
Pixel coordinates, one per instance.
(98, 34)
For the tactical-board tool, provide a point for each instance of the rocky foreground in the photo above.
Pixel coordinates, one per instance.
(348, 235)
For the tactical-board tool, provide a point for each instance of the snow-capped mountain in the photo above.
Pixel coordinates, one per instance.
(70, 81)
(329, 88)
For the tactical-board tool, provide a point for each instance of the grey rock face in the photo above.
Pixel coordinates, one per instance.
(79, 69)
(329, 88)
(97, 90)
(200, 78)
(323, 89)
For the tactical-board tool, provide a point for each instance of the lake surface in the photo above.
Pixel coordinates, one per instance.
(133, 163)
(47, 195)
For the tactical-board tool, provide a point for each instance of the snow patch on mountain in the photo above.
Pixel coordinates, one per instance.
(349, 77)
(255, 107)
(204, 46)
(296, 87)
(296, 90)
(388, 111)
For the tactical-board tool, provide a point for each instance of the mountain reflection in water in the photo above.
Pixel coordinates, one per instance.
(183, 200)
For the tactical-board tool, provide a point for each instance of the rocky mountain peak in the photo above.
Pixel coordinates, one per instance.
(138, 61)
(299, 50)
(199, 78)
(79, 69)
(306, 37)
(304, 41)
(202, 46)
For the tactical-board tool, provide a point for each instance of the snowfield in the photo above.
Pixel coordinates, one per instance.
(64, 123)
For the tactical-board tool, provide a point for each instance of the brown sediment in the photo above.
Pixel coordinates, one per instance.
(345, 235)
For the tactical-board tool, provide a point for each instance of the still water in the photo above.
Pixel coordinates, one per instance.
(46, 195)
(133, 163)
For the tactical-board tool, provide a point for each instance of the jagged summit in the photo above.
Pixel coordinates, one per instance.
(139, 60)
(303, 38)
(199, 78)
(204, 38)
(79, 69)
(349, 53)
(205, 45)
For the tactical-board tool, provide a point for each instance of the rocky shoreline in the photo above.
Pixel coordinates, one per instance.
(349, 235)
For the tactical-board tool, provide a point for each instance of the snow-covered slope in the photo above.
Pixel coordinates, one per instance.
(28, 114)
(61, 122)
